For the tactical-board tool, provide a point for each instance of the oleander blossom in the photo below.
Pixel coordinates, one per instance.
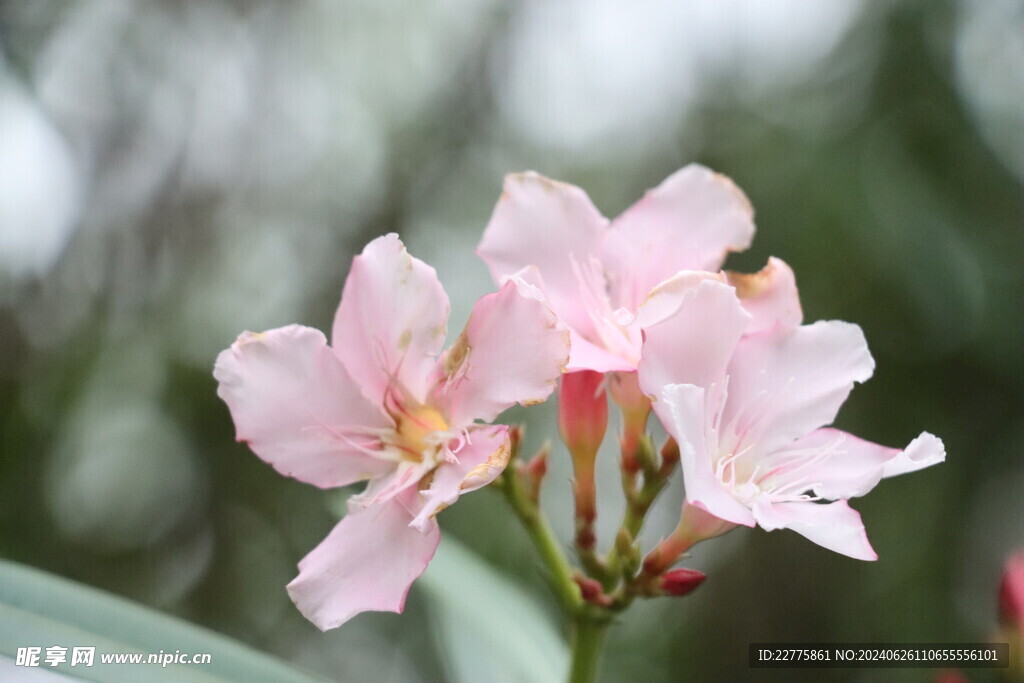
(750, 409)
(384, 404)
(599, 276)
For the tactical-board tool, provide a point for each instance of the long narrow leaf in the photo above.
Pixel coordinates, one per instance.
(42, 610)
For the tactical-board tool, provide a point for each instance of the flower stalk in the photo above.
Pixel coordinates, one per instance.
(526, 507)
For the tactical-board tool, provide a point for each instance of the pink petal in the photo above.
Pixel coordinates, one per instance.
(770, 295)
(693, 346)
(480, 461)
(665, 299)
(785, 383)
(555, 227)
(585, 355)
(689, 222)
(367, 563)
(836, 464)
(391, 323)
(835, 526)
(833, 463)
(292, 400)
(382, 489)
(924, 451)
(682, 410)
(513, 350)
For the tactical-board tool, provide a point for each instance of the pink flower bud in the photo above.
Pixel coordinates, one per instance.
(582, 412)
(680, 582)
(1011, 593)
(592, 591)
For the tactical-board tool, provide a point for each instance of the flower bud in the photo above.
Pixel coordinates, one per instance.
(582, 421)
(532, 472)
(625, 391)
(1011, 593)
(582, 412)
(680, 582)
(592, 591)
(635, 407)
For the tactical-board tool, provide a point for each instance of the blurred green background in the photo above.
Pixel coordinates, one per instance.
(172, 173)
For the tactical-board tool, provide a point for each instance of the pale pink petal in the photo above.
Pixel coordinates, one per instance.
(832, 463)
(689, 222)
(612, 348)
(785, 383)
(555, 227)
(682, 410)
(924, 451)
(404, 476)
(835, 464)
(770, 295)
(481, 459)
(298, 409)
(835, 526)
(513, 350)
(391, 323)
(666, 298)
(693, 346)
(585, 355)
(367, 563)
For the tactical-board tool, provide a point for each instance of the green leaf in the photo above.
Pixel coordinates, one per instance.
(42, 610)
(490, 629)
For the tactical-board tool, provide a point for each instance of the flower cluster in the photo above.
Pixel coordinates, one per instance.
(638, 307)
(745, 389)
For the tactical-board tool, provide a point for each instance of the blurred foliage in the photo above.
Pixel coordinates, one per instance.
(172, 173)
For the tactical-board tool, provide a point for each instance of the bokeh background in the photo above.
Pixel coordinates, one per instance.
(172, 173)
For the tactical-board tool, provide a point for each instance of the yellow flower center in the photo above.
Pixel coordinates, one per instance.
(416, 429)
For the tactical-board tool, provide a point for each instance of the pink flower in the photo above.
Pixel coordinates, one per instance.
(385, 404)
(598, 275)
(749, 412)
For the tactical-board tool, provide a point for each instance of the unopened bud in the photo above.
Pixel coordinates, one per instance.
(669, 456)
(635, 407)
(515, 438)
(625, 391)
(592, 591)
(1011, 593)
(582, 412)
(680, 582)
(532, 473)
(582, 421)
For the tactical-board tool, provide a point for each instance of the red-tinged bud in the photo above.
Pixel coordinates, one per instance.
(515, 438)
(592, 591)
(669, 456)
(636, 408)
(1011, 593)
(582, 412)
(625, 391)
(532, 472)
(582, 421)
(680, 582)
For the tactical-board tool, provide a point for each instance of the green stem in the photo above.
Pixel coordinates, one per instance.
(638, 503)
(544, 540)
(587, 640)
